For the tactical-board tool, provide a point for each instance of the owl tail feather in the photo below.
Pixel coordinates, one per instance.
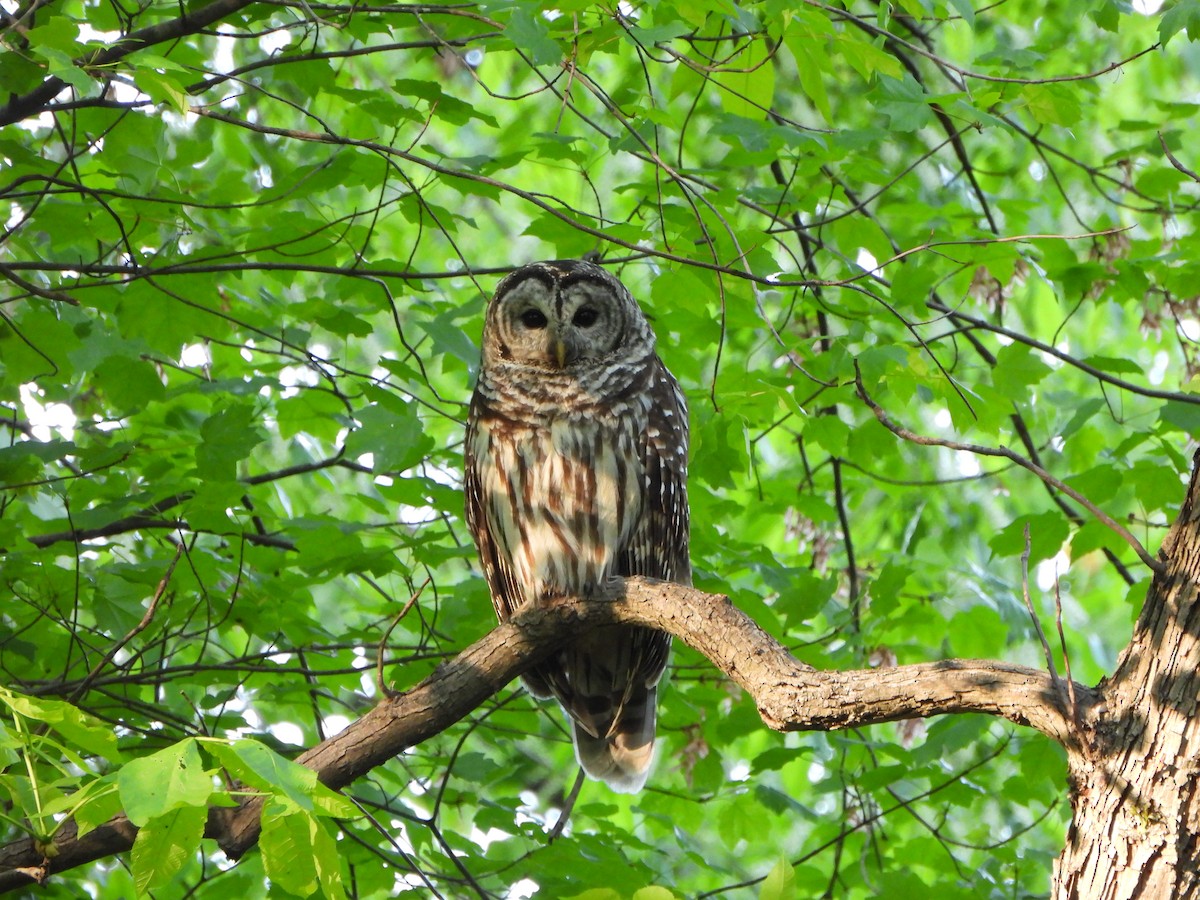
(621, 758)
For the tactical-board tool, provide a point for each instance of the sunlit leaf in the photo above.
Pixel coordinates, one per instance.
(158, 784)
(165, 844)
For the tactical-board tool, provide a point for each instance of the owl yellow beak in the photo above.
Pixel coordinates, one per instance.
(560, 352)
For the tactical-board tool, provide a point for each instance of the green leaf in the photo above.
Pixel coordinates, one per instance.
(392, 433)
(292, 784)
(289, 843)
(1093, 536)
(129, 383)
(58, 32)
(1047, 532)
(62, 66)
(101, 805)
(828, 432)
(1017, 370)
(164, 845)
(1183, 14)
(1099, 484)
(328, 861)
(1042, 761)
(812, 66)
(75, 726)
(776, 758)
(1052, 103)
(299, 853)
(748, 80)
(173, 778)
(866, 58)
(1113, 365)
(889, 584)
(904, 102)
(163, 88)
(1157, 487)
(312, 412)
(780, 883)
(1180, 416)
(911, 283)
(19, 74)
(1108, 15)
(567, 240)
(966, 9)
(654, 893)
(530, 33)
(978, 633)
(736, 821)
(226, 438)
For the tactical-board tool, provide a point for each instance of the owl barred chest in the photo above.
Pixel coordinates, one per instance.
(564, 498)
(576, 472)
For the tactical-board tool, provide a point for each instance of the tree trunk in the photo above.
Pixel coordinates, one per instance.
(1133, 774)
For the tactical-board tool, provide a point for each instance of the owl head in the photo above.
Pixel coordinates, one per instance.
(562, 315)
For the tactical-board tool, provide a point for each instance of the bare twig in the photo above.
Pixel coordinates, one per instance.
(1062, 640)
(1037, 625)
(1175, 162)
(568, 805)
(384, 690)
(135, 630)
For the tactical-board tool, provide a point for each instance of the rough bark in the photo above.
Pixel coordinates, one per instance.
(1133, 776)
(790, 696)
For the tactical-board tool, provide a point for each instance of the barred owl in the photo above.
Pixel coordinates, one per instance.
(576, 471)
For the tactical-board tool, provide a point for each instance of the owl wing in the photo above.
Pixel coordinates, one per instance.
(502, 583)
(613, 691)
(658, 547)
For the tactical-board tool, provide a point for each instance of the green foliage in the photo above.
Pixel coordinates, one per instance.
(241, 285)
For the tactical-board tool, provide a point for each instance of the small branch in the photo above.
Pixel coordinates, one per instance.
(133, 632)
(875, 30)
(1051, 350)
(1037, 625)
(381, 650)
(1176, 163)
(144, 523)
(1104, 518)
(1062, 640)
(146, 518)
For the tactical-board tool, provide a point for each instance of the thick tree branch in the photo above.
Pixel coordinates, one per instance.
(790, 696)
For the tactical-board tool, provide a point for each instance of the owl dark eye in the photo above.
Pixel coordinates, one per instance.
(585, 317)
(533, 318)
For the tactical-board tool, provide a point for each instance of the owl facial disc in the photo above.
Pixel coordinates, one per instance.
(555, 315)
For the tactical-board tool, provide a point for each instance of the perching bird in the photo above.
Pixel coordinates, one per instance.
(576, 471)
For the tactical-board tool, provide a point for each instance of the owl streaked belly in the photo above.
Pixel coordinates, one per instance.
(562, 502)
